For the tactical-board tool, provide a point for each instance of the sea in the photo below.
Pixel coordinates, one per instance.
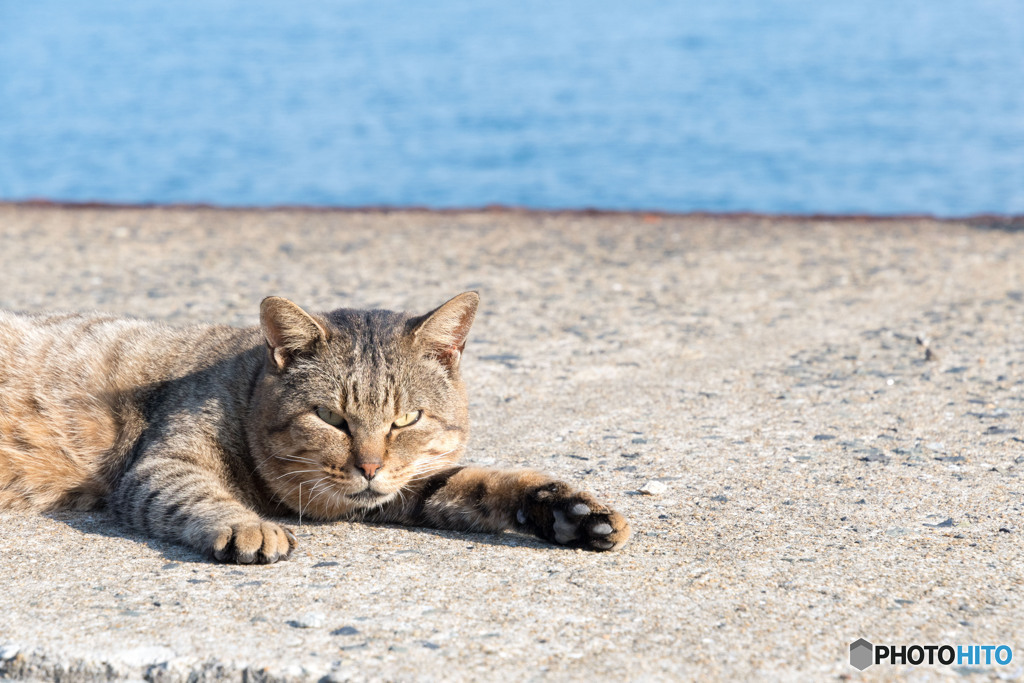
(778, 106)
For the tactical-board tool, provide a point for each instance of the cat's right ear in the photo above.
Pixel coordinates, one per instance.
(288, 330)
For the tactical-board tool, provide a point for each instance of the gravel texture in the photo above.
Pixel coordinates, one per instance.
(814, 426)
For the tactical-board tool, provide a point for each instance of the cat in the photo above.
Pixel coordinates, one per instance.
(199, 435)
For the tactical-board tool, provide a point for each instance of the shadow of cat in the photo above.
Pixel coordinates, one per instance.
(502, 539)
(101, 522)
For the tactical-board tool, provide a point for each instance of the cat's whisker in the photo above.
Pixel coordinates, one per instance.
(427, 472)
(335, 497)
(422, 477)
(326, 489)
(423, 464)
(301, 508)
(435, 456)
(276, 453)
(295, 458)
(431, 460)
(426, 475)
(423, 474)
(288, 474)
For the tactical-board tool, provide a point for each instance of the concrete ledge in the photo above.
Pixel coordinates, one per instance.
(825, 414)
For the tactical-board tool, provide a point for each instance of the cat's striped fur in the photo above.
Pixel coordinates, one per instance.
(199, 434)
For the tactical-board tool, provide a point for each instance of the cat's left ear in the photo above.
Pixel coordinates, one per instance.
(443, 331)
(289, 330)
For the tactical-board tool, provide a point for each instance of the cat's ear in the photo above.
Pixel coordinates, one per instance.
(442, 332)
(288, 330)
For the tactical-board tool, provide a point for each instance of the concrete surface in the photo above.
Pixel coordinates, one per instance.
(830, 409)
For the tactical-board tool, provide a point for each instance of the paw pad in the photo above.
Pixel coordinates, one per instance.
(574, 519)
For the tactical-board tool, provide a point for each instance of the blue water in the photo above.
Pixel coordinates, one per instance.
(878, 106)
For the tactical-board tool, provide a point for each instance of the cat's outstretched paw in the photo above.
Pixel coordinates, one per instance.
(256, 542)
(573, 518)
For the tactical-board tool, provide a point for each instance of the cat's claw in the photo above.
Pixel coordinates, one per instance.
(257, 542)
(572, 518)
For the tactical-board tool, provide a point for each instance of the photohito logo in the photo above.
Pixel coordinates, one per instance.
(863, 654)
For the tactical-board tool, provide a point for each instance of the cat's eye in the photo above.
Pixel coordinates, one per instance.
(330, 417)
(407, 419)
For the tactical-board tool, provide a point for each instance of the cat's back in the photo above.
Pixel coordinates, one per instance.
(60, 355)
(68, 389)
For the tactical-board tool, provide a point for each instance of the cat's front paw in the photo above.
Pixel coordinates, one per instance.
(255, 542)
(573, 518)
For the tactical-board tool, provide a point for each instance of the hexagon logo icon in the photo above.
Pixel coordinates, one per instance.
(861, 654)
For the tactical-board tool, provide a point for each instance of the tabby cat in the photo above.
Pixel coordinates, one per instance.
(197, 435)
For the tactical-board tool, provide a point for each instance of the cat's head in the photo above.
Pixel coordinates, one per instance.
(356, 406)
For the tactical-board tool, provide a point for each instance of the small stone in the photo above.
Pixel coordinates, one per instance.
(354, 646)
(309, 620)
(996, 429)
(720, 499)
(944, 524)
(345, 631)
(872, 454)
(9, 650)
(653, 488)
(325, 564)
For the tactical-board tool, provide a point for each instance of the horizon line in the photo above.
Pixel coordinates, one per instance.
(1001, 219)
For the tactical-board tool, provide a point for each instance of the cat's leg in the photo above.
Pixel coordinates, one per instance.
(186, 496)
(481, 499)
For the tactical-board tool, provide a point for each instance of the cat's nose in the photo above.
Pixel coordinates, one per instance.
(369, 469)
